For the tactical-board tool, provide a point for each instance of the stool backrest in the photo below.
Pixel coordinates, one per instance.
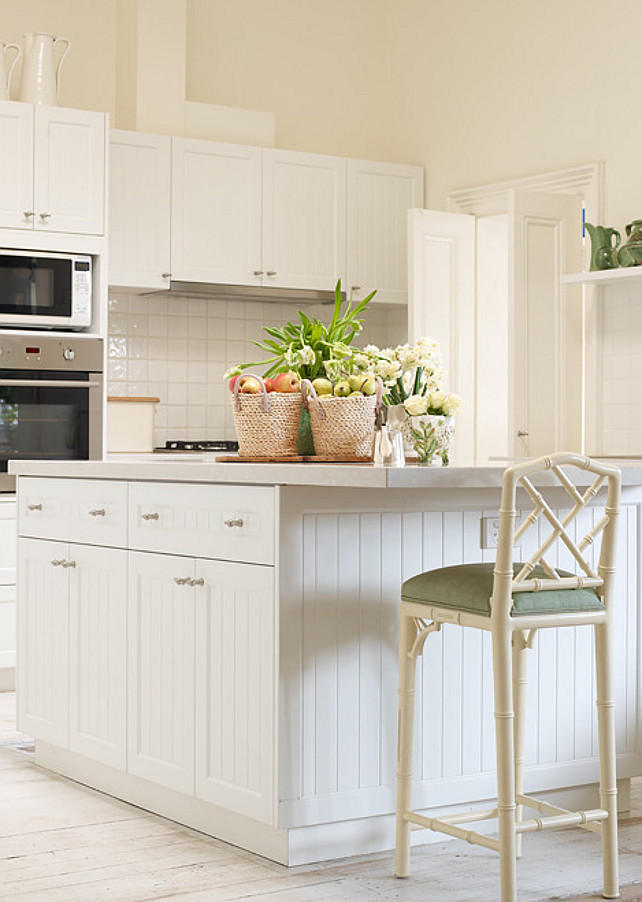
(505, 583)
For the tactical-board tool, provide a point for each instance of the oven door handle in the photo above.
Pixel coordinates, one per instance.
(46, 383)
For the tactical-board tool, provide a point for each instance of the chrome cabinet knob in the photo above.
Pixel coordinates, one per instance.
(258, 272)
(153, 516)
(355, 288)
(181, 580)
(521, 433)
(197, 582)
(233, 521)
(166, 275)
(45, 215)
(34, 507)
(98, 512)
(68, 563)
(57, 563)
(271, 272)
(28, 214)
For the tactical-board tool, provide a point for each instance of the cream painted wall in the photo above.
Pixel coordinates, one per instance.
(88, 74)
(322, 67)
(501, 89)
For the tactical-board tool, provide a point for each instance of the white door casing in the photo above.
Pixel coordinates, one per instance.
(545, 324)
(441, 304)
(139, 209)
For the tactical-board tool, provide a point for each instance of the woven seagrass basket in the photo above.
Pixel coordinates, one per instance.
(267, 425)
(343, 428)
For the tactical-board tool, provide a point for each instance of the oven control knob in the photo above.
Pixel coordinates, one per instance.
(68, 353)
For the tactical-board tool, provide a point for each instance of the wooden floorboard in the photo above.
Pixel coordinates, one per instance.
(63, 842)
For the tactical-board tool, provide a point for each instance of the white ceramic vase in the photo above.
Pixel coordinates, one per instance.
(40, 74)
(5, 76)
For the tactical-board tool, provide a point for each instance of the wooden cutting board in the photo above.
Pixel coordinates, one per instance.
(294, 459)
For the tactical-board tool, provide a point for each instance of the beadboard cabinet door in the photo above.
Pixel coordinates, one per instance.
(16, 165)
(235, 687)
(97, 653)
(161, 669)
(216, 212)
(43, 605)
(139, 209)
(69, 171)
(379, 197)
(304, 219)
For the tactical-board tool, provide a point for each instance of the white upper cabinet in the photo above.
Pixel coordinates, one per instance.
(16, 165)
(52, 169)
(139, 209)
(379, 197)
(216, 212)
(304, 204)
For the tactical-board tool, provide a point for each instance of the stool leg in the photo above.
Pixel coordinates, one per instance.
(606, 733)
(519, 700)
(405, 741)
(505, 762)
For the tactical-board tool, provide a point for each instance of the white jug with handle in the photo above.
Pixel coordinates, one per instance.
(40, 75)
(5, 78)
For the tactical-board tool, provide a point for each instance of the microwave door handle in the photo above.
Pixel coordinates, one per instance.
(46, 383)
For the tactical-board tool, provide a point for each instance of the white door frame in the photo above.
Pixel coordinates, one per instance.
(588, 180)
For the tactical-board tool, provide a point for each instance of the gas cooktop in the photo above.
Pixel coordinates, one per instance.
(187, 447)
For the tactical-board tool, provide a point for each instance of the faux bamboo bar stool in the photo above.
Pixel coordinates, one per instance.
(513, 601)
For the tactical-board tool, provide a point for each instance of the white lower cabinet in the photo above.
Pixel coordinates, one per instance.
(97, 653)
(72, 647)
(161, 669)
(235, 662)
(43, 697)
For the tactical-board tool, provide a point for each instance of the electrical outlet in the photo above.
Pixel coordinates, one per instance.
(489, 532)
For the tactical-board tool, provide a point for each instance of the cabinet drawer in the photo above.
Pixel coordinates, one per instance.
(91, 512)
(233, 523)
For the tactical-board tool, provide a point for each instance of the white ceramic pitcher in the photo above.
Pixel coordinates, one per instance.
(40, 75)
(5, 77)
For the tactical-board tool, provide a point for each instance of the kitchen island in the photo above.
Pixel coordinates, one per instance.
(217, 643)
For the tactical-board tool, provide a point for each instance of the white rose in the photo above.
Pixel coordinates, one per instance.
(416, 405)
(436, 399)
(452, 404)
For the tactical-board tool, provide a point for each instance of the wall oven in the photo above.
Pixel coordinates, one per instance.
(44, 290)
(51, 400)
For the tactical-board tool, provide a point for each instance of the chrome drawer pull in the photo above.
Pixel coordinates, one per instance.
(56, 563)
(149, 516)
(181, 580)
(232, 522)
(34, 507)
(197, 582)
(98, 512)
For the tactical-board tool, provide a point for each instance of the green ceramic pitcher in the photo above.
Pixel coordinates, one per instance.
(604, 244)
(630, 254)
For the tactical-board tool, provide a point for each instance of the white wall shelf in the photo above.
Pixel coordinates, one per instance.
(605, 276)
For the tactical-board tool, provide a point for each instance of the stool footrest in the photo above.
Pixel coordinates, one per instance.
(440, 825)
(555, 811)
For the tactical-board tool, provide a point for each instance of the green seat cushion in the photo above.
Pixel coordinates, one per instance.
(468, 587)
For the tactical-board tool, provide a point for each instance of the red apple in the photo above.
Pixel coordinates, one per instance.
(249, 385)
(232, 382)
(286, 382)
(269, 386)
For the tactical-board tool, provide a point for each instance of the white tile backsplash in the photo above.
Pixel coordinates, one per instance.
(178, 348)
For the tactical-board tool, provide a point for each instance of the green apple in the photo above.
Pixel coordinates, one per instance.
(322, 386)
(356, 394)
(342, 389)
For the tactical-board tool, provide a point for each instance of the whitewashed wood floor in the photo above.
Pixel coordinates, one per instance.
(62, 842)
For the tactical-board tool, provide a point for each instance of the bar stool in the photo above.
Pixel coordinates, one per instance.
(513, 601)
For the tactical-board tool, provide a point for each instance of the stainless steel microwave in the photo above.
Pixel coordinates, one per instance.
(44, 290)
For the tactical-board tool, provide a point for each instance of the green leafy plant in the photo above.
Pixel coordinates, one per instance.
(425, 442)
(311, 348)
